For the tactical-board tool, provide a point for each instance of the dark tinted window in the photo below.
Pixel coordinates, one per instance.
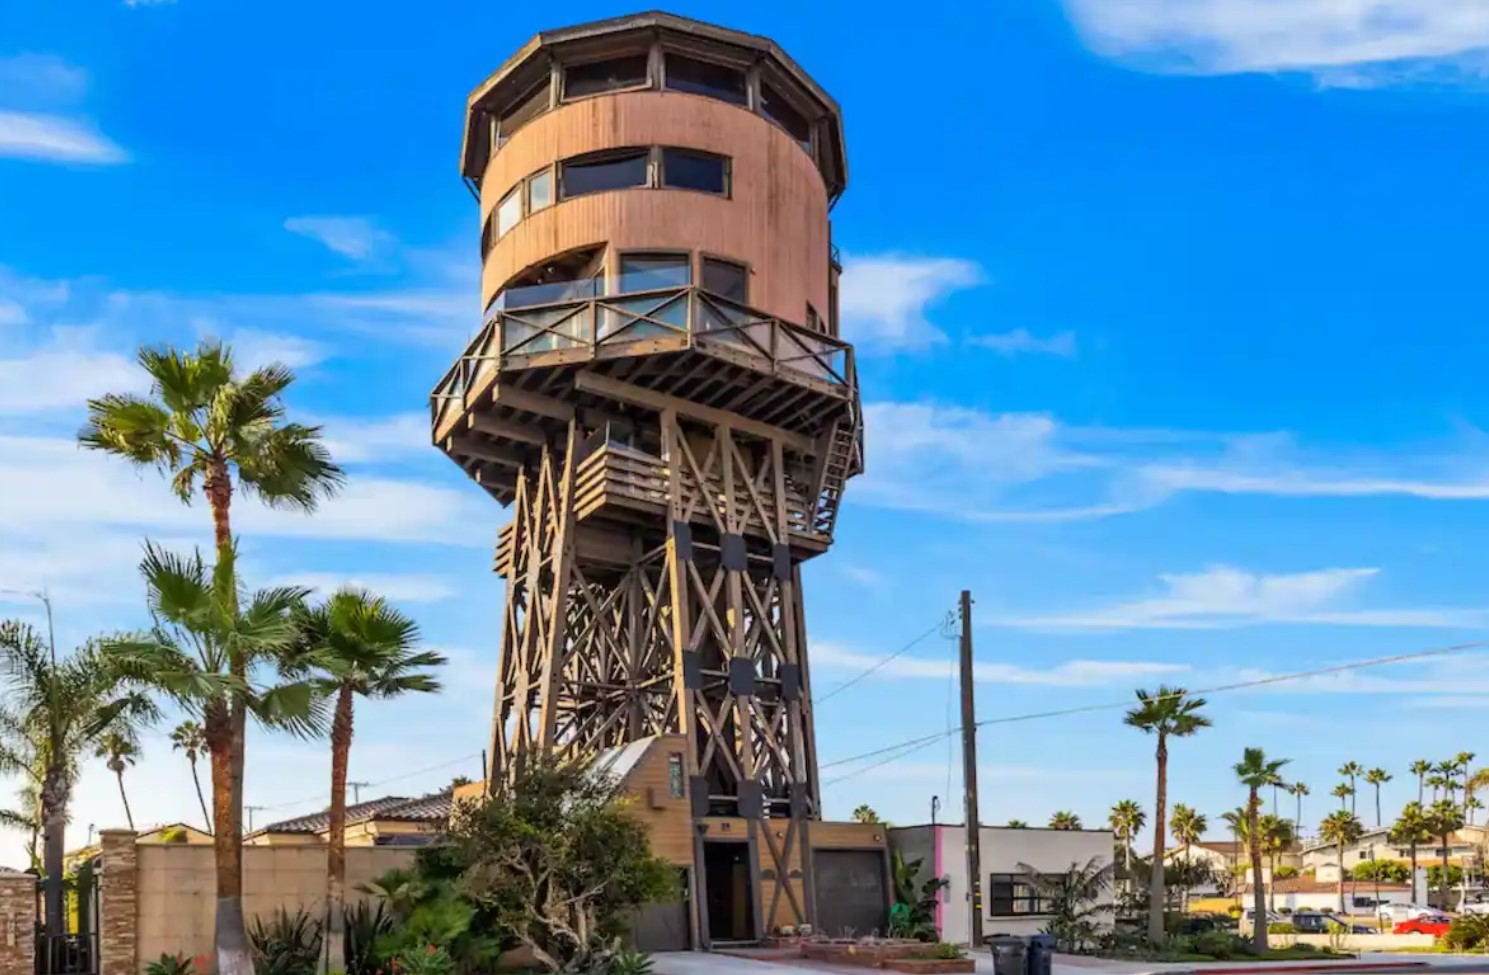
(705, 78)
(684, 169)
(526, 108)
(598, 76)
(726, 279)
(775, 107)
(602, 171)
(646, 272)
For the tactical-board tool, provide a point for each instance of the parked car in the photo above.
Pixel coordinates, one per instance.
(1317, 922)
(1245, 922)
(1434, 924)
(1396, 913)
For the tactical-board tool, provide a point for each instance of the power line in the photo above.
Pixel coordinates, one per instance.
(913, 745)
(938, 625)
(320, 797)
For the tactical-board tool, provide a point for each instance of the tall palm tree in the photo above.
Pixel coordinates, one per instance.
(1448, 770)
(188, 737)
(1168, 712)
(1340, 828)
(1463, 760)
(1352, 771)
(1342, 792)
(210, 650)
(356, 645)
(1065, 820)
(1378, 777)
(1188, 826)
(1469, 805)
(1127, 819)
(1412, 829)
(119, 749)
(1299, 790)
(1443, 818)
(1439, 784)
(1256, 772)
(1277, 837)
(1420, 768)
(53, 713)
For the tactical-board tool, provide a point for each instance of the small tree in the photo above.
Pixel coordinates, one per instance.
(1412, 829)
(1072, 900)
(866, 814)
(119, 749)
(559, 862)
(1065, 820)
(1340, 828)
(1442, 819)
(1256, 772)
(918, 897)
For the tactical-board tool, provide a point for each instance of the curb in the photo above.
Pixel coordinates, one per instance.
(1341, 966)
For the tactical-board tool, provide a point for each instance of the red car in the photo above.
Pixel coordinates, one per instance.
(1434, 924)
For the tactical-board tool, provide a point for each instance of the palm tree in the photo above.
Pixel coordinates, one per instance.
(1276, 837)
(1352, 771)
(1240, 831)
(1188, 826)
(1340, 828)
(1420, 768)
(1448, 770)
(1127, 819)
(1469, 805)
(1299, 790)
(1438, 782)
(356, 645)
(1463, 760)
(210, 650)
(1016, 824)
(1256, 772)
(1342, 791)
(1065, 820)
(1378, 777)
(189, 737)
(1442, 819)
(866, 814)
(120, 749)
(1164, 713)
(54, 712)
(1412, 829)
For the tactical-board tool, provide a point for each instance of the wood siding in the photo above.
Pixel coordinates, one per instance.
(670, 820)
(848, 836)
(774, 221)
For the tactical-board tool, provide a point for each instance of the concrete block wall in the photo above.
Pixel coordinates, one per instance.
(18, 921)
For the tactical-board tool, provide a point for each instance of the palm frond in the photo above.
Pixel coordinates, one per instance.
(133, 428)
(288, 467)
(297, 707)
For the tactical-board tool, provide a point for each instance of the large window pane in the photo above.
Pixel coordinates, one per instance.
(773, 105)
(648, 272)
(684, 169)
(705, 78)
(611, 75)
(726, 279)
(605, 171)
(524, 110)
(540, 191)
(508, 213)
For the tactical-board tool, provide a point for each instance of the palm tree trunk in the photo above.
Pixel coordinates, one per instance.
(1421, 786)
(53, 849)
(1258, 894)
(1155, 875)
(1188, 865)
(1298, 823)
(128, 816)
(1378, 820)
(1272, 882)
(231, 939)
(197, 780)
(341, 746)
(1341, 877)
(1414, 892)
(1445, 887)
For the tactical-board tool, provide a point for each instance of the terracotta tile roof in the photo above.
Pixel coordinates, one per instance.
(430, 808)
(1312, 885)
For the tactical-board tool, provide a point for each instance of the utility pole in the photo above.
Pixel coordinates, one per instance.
(969, 774)
(356, 788)
(251, 810)
(46, 600)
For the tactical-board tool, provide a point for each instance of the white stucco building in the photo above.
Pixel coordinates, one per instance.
(1009, 905)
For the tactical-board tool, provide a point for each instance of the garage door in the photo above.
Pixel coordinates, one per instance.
(663, 926)
(850, 893)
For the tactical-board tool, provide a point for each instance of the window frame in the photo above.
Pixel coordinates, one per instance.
(786, 88)
(661, 170)
(705, 256)
(713, 60)
(685, 260)
(1039, 906)
(527, 194)
(501, 135)
(648, 78)
(645, 153)
(517, 192)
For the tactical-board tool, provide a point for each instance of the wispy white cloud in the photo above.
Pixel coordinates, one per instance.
(55, 138)
(40, 79)
(1223, 597)
(354, 440)
(1356, 42)
(252, 349)
(1021, 342)
(63, 373)
(357, 238)
(148, 3)
(12, 313)
(884, 300)
(829, 657)
(396, 587)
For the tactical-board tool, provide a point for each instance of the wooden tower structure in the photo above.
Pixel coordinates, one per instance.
(660, 395)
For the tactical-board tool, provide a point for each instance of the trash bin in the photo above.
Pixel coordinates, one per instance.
(1041, 954)
(1009, 954)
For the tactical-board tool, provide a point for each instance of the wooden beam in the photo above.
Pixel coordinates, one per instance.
(498, 426)
(488, 452)
(521, 399)
(590, 382)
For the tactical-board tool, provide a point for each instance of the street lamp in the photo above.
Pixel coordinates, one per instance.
(46, 600)
(935, 808)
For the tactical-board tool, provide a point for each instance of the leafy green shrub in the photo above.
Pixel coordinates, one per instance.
(944, 951)
(171, 965)
(1386, 871)
(631, 963)
(1281, 927)
(424, 960)
(1221, 945)
(285, 944)
(366, 922)
(1337, 934)
(1434, 875)
(1284, 873)
(1467, 932)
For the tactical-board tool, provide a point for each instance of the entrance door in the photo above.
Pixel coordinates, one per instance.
(850, 892)
(727, 892)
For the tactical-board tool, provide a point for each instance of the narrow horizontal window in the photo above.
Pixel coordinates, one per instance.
(601, 76)
(726, 279)
(540, 191)
(508, 213)
(706, 78)
(649, 272)
(486, 238)
(598, 172)
(774, 106)
(524, 110)
(686, 169)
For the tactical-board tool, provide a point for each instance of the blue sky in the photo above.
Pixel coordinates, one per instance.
(1169, 327)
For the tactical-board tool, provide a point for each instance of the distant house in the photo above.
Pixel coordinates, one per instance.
(1312, 894)
(390, 821)
(168, 833)
(1229, 858)
(1464, 849)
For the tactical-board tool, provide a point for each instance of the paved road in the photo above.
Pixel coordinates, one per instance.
(697, 963)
